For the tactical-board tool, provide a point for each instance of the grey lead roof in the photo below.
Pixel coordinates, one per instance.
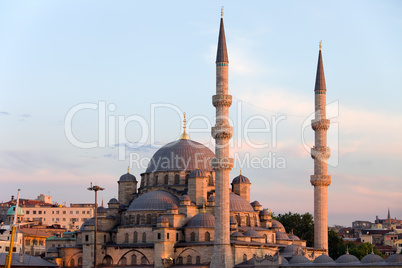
(222, 54)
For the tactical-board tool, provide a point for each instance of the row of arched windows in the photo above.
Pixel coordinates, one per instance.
(108, 260)
(189, 260)
(135, 238)
(207, 237)
(248, 220)
(156, 180)
(79, 262)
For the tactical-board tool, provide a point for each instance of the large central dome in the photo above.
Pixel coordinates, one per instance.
(181, 155)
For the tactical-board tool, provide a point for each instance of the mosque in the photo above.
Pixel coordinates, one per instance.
(185, 211)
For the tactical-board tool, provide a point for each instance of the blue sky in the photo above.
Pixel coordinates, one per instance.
(55, 55)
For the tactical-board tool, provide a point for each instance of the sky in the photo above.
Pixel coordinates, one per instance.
(89, 88)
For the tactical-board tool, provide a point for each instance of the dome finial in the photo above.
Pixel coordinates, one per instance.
(184, 135)
(240, 173)
(203, 207)
(320, 44)
(128, 170)
(222, 12)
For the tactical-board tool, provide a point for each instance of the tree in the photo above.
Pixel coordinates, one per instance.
(336, 245)
(302, 225)
(362, 249)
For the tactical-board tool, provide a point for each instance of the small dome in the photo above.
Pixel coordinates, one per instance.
(294, 237)
(155, 200)
(237, 203)
(299, 259)
(281, 235)
(52, 250)
(185, 198)
(162, 219)
(113, 201)
(264, 212)
(101, 210)
(237, 234)
(172, 206)
(277, 224)
(11, 211)
(204, 220)
(323, 259)
(211, 198)
(252, 233)
(255, 203)
(89, 222)
(233, 220)
(347, 258)
(394, 258)
(127, 178)
(372, 258)
(241, 179)
(291, 249)
(198, 173)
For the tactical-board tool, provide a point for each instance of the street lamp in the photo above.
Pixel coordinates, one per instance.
(95, 188)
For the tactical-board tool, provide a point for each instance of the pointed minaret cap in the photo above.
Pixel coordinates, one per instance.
(320, 77)
(222, 54)
(184, 135)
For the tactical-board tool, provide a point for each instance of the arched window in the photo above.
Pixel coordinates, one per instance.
(176, 179)
(133, 259)
(265, 238)
(166, 179)
(255, 220)
(244, 258)
(144, 237)
(177, 236)
(207, 236)
(144, 260)
(179, 260)
(107, 260)
(210, 181)
(156, 180)
(187, 176)
(123, 261)
(273, 239)
(126, 238)
(135, 240)
(80, 261)
(138, 218)
(198, 260)
(192, 237)
(189, 259)
(248, 220)
(149, 218)
(72, 262)
(238, 219)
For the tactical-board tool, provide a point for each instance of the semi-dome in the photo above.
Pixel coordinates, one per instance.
(89, 222)
(241, 179)
(294, 237)
(202, 220)
(237, 234)
(372, 258)
(277, 224)
(198, 173)
(101, 210)
(323, 259)
(155, 200)
(394, 258)
(255, 203)
(181, 155)
(237, 203)
(127, 178)
(185, 198)
(162, 219)
(281, 235)
(252, 233)
(347, 258)
(299, 259)
(291, 249)
(11, 211)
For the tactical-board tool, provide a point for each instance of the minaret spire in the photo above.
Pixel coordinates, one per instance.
(222, 132)
(320, 153)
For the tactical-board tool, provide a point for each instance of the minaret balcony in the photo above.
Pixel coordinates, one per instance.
(222, 132)
(320, 124)
(222, 100)
(320, 180)
(320, 152)
(222, 163)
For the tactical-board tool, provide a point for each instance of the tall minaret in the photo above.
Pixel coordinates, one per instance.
(320, 153)
(222, 164)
